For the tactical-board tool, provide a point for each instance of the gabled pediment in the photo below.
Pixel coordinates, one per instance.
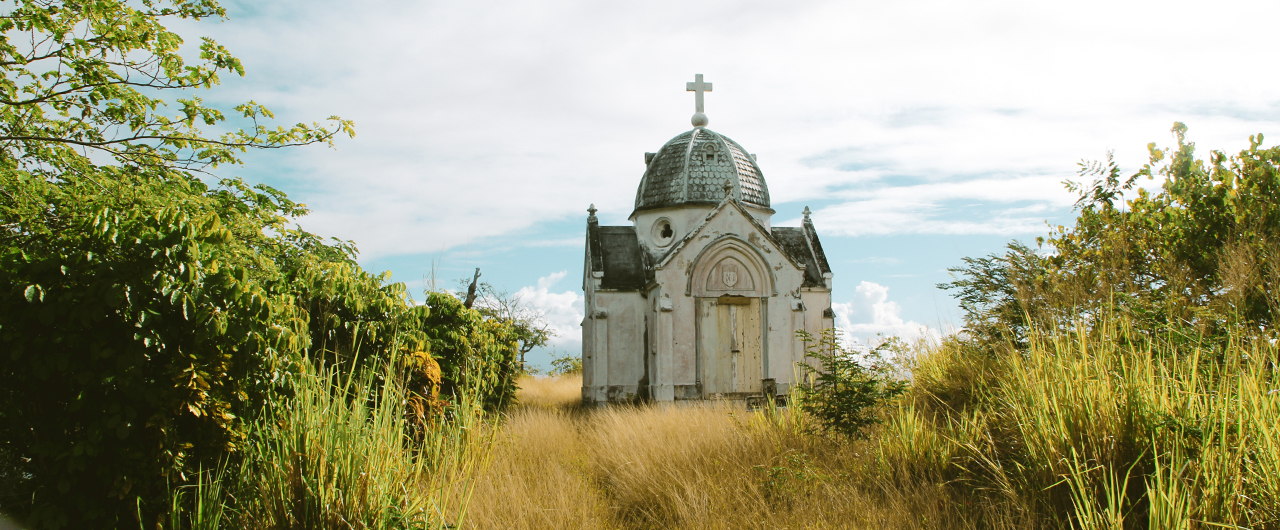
(730, 220)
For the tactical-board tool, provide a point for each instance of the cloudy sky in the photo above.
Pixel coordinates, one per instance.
(918, 132)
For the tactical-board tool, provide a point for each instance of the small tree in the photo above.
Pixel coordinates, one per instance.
(844, 394)
(569, 364)
(529, 323)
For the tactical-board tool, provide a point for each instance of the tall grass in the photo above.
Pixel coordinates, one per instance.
(335, 455)
(1110, 429)
(701, 466)
(1102, 428)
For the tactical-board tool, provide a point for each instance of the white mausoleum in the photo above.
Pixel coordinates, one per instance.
(700, 297)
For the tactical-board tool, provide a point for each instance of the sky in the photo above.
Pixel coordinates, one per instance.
(918, 132)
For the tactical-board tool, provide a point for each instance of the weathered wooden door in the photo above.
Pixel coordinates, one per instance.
(729, 345)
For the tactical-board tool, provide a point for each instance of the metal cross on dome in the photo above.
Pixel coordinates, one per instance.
(698, 87)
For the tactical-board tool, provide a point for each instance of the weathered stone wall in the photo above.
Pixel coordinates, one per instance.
(614, 347)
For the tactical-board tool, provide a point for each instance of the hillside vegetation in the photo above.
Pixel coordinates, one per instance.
(161, 327)
(178, 354)
(1124, 377)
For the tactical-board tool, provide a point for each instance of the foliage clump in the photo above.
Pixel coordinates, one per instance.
(843, 393)
(472, 350)
(149, 312)
(566, 365)
(1201, 254)
(528, 322)
(1124, 377)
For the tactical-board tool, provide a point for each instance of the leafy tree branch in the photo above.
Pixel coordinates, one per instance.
(79, 76)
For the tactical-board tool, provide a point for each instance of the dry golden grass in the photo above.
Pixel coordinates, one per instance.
(710, 466)
(550, 392)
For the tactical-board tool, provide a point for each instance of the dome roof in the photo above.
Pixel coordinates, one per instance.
(692, 168)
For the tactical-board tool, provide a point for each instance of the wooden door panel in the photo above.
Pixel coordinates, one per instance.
(747, 338)
(729, 345)
(716, 371)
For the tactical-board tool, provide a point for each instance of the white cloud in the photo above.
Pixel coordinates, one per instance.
(563, 242)
(871, 314)
(563, 311)
(980, 206)
(482, 118)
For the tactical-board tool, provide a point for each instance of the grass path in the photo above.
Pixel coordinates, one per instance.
(559, 466)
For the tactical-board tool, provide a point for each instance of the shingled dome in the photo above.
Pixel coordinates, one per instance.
(692, 168)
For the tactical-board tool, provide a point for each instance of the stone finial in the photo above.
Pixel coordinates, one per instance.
(806, 213)
(698, 87)
(728, 188)
(592, 210)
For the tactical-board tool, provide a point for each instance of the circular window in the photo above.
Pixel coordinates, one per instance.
(663, 232)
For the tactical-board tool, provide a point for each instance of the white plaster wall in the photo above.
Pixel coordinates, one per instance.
(684, 332)
(661, 339)
(625, 342)
(816, 301)
(588, 352)
(781, 332)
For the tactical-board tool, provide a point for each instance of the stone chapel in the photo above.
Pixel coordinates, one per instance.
(700, 297)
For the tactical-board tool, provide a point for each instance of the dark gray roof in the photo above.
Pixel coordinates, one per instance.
(692, 168)
(818, 254)
(804, 250)
(615, 250)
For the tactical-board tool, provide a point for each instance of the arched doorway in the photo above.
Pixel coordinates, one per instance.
(730, 287)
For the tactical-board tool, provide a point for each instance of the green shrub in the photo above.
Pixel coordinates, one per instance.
(1126, 378)
(1120, 428)
(142, 326)
(1201, 254)
(472, 350)
(142, 314)
(137, 335)
(842, 394)
(568, 364)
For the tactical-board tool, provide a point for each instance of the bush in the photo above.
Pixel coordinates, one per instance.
(138, 334)
(1202, 254)
(1120, 428)
(143, 315)
(145, 325)
(842, 394)
(473, 351)
(569, 364)
(1125, 378)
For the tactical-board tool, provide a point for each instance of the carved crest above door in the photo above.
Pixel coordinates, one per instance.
(729, 274)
